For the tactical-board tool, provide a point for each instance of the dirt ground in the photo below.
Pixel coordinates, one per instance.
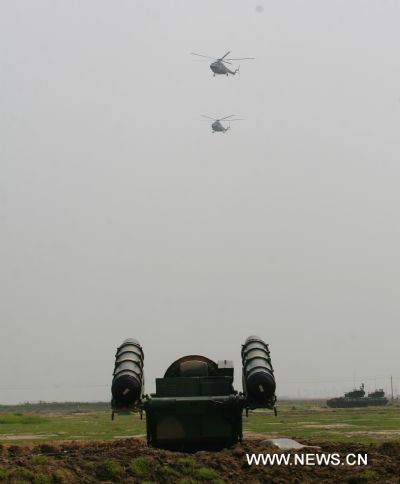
(131, 461)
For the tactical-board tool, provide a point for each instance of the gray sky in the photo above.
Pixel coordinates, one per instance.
(123, 216)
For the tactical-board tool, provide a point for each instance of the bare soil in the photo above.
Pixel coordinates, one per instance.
(117, 461)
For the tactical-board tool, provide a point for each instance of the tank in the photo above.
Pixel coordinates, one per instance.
(195, 405)
(357, 398)
(377, 394)
(355, 393)
(377, 397)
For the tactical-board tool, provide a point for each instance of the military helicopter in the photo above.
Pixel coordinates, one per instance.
(217, 126)
(219, 67)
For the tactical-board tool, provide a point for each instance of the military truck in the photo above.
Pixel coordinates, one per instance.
(195, 405)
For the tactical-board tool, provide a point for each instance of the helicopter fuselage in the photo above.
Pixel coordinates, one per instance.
(217, 126)
(219, 67)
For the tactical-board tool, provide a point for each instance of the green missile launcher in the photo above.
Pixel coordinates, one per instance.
(195, 405)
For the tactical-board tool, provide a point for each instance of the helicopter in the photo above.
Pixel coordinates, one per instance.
(217, 126)
(219, 65)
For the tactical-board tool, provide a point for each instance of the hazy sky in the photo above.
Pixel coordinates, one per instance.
(122, 215)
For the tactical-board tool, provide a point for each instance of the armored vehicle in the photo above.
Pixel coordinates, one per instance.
(377, 398)
(357, 398)
(195, 405)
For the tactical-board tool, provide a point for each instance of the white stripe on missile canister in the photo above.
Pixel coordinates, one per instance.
(261, 388)
(125, 391)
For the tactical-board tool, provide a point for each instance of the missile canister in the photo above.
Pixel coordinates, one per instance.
(258, 374)
(128, 382)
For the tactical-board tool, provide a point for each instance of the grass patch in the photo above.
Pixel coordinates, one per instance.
(59, 477)
(39, 459)
(168, 471)
(42, 479)
(369, 475)
(22, 474)
(90, 466)
(205, 474)
(186, 465)
(68, 426)
(3, 474)
(313, 419)
(191, 471)
(139, 466)
(21, 419)
(109, 469)
(296, 419)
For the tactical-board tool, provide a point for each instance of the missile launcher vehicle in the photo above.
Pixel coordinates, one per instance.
(195, 405)
(357, 398)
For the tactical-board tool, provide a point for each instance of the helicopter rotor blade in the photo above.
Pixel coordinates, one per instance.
(225, 62)
(226, 117)
(201, 55)
(223, 57)
(208, 117)
(238, 119)
(241, 58)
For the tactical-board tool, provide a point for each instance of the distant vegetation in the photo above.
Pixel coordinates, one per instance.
(62, 407)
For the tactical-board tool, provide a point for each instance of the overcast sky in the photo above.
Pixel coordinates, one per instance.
(122, 215)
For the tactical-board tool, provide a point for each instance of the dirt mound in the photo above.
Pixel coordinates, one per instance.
(131, 461)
